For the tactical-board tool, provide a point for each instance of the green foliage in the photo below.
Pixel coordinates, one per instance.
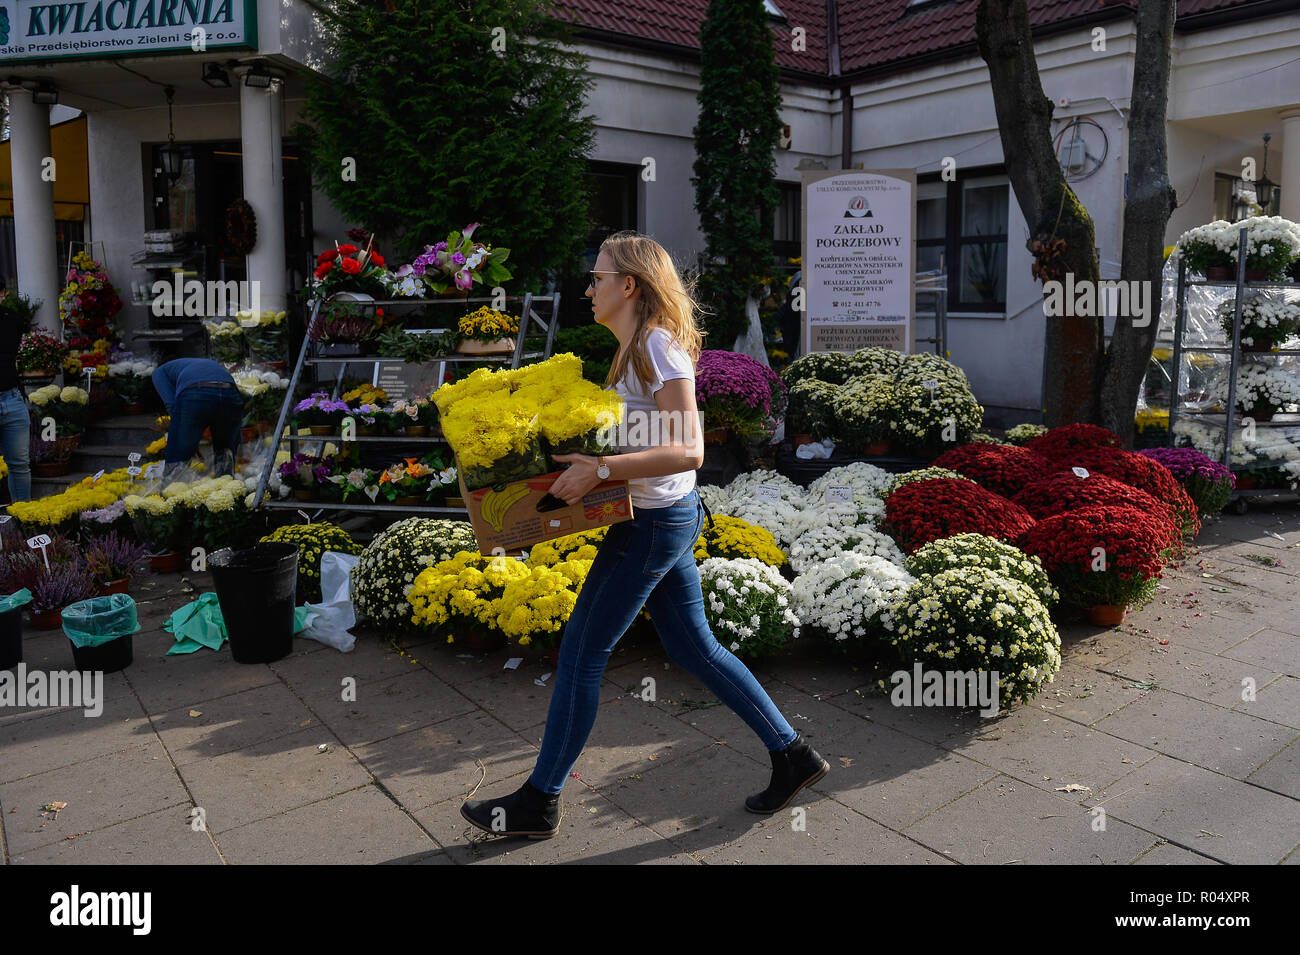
(735, 188)
(444, 130)
(594, 344)
(396, 342)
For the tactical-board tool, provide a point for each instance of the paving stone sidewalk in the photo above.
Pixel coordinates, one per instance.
(1146, 721)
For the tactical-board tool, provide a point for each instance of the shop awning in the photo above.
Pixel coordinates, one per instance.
(72, 175)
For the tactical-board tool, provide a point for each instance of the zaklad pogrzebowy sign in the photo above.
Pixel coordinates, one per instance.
(50, 30)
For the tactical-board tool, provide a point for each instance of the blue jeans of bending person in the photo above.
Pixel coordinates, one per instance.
(15, 442)
(648, 561)
(200, 407)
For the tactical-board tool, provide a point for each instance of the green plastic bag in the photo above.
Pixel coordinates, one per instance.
(94, 622)
(15, 600)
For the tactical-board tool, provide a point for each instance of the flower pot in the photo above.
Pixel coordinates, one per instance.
(1262, 413)
(120, 586)
(367, 430)
(340, 350)
(482, 640)
(1246, 482)
(303, 494)
(1257, 275)
(134, 407)
(248, 435)
(41, 373)
(409, 500)
(878, 449)
(1106, 615)
(361, 297)
(715, 436)
(454, 502)
(51, 468)
(472, 346)
(165, 563)
(1257, 347)
(321, 429)
(47, 620)
(1220, 273)
(257, 591)
(417, 430)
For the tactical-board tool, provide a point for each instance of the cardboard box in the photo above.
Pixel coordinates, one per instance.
(514, 522)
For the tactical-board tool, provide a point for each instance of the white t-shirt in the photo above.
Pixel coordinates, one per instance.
(643, 425)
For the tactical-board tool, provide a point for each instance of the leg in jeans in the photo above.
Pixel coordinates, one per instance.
(190, 414)
(677, 608)
(15, 437)
(226, 419)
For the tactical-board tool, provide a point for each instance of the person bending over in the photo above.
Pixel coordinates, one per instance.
(199, 393)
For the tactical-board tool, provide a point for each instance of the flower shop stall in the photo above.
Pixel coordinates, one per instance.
(1233, 328)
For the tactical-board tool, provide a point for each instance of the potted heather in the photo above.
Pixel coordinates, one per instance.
(65, 582)
(344, 329)
(112, 560)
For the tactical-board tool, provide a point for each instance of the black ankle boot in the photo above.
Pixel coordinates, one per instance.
(796, 766)
(526, 812)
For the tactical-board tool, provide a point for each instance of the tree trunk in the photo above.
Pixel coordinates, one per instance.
(1151, 201)
(1061, 232)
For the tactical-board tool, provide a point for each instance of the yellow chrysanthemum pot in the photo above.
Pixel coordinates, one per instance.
(472, 346)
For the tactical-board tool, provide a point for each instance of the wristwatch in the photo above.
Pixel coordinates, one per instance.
(602, 469)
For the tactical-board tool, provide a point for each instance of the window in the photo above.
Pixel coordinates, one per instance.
(961, 226)
(787, 223)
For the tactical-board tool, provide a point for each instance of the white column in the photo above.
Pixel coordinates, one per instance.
(259, 128)
(1290, 182)
(38, 270)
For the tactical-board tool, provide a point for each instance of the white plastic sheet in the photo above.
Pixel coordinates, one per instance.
(335, 615)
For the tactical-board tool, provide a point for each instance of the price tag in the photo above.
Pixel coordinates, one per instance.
(154, 470)
(767, 494)
(98, 474)
(839, 494)
(5, 518)
(133, 457)
(305, 516)
(133, 471)
(930, 384)
(1080, 472)
(40, 541)
(90, 375)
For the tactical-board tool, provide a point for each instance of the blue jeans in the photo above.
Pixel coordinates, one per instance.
(196, 408)
(15, 437)
(646, 561)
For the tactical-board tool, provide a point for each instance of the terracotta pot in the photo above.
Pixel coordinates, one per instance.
(248, 435)
(167, 563)
(472, 347)
(49, 620)
(485, 641)
(878, 449)
(1262, 413)
(321, 429)
(119, 586)
(134, 407)
(1220, 273)
(454, 501)
(1257, 275)
(715, 436)
(51, 468)
(366, 430)
(1246, 482)
(409, 500)
(304, 494)
(207, 434)
(1106, 615)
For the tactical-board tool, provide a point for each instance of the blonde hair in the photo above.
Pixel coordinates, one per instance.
(666, 302)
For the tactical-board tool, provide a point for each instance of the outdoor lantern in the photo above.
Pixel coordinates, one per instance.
(172, 155)
(45, 93)
(1266, 191)
(258, 77)
(216, 77)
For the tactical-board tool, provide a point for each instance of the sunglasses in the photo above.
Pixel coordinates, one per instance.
(594, 272)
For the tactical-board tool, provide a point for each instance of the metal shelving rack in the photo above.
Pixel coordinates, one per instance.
(1228, 419)
(309, 358)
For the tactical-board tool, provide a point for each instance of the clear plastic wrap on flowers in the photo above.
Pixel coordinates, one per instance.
(515, 465)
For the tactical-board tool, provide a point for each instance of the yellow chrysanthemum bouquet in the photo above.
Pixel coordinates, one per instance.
(501, 423)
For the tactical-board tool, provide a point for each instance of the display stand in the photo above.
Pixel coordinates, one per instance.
(1229, 419)
(311, 364)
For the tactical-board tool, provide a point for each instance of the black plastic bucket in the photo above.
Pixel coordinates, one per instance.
(108, 657)
(11, 638)
(257, 589)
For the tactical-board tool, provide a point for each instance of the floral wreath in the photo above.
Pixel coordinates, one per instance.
(241, 227)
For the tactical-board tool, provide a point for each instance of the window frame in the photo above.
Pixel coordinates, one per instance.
(953, 241)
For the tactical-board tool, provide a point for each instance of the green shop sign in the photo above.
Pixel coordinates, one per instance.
(51, 30)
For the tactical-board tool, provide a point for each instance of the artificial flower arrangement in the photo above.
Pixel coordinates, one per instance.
(1001, 468)
(388, 566)
(1061, 444)
(747, 605)
(312, 541)
(1208, 483)
(488, 325)
(227, 341)
(67, 406)
(39, 352)
(1272, 244)
(1265, 324)
(427, 478)
(1104, 555)
(735, 392)
(89, 303)
(320, 411)
(265, 332)
(303, 472)
(1022, 434)
(495, 420)
(1263, 389)
(843, 598)
(974, 619)
(347, 268)
(924, 511)
(456, 263)
(132, 380)
(735, 539)
(964, 551)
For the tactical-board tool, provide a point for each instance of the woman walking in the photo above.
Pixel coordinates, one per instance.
(15, 421)
(636, 293)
